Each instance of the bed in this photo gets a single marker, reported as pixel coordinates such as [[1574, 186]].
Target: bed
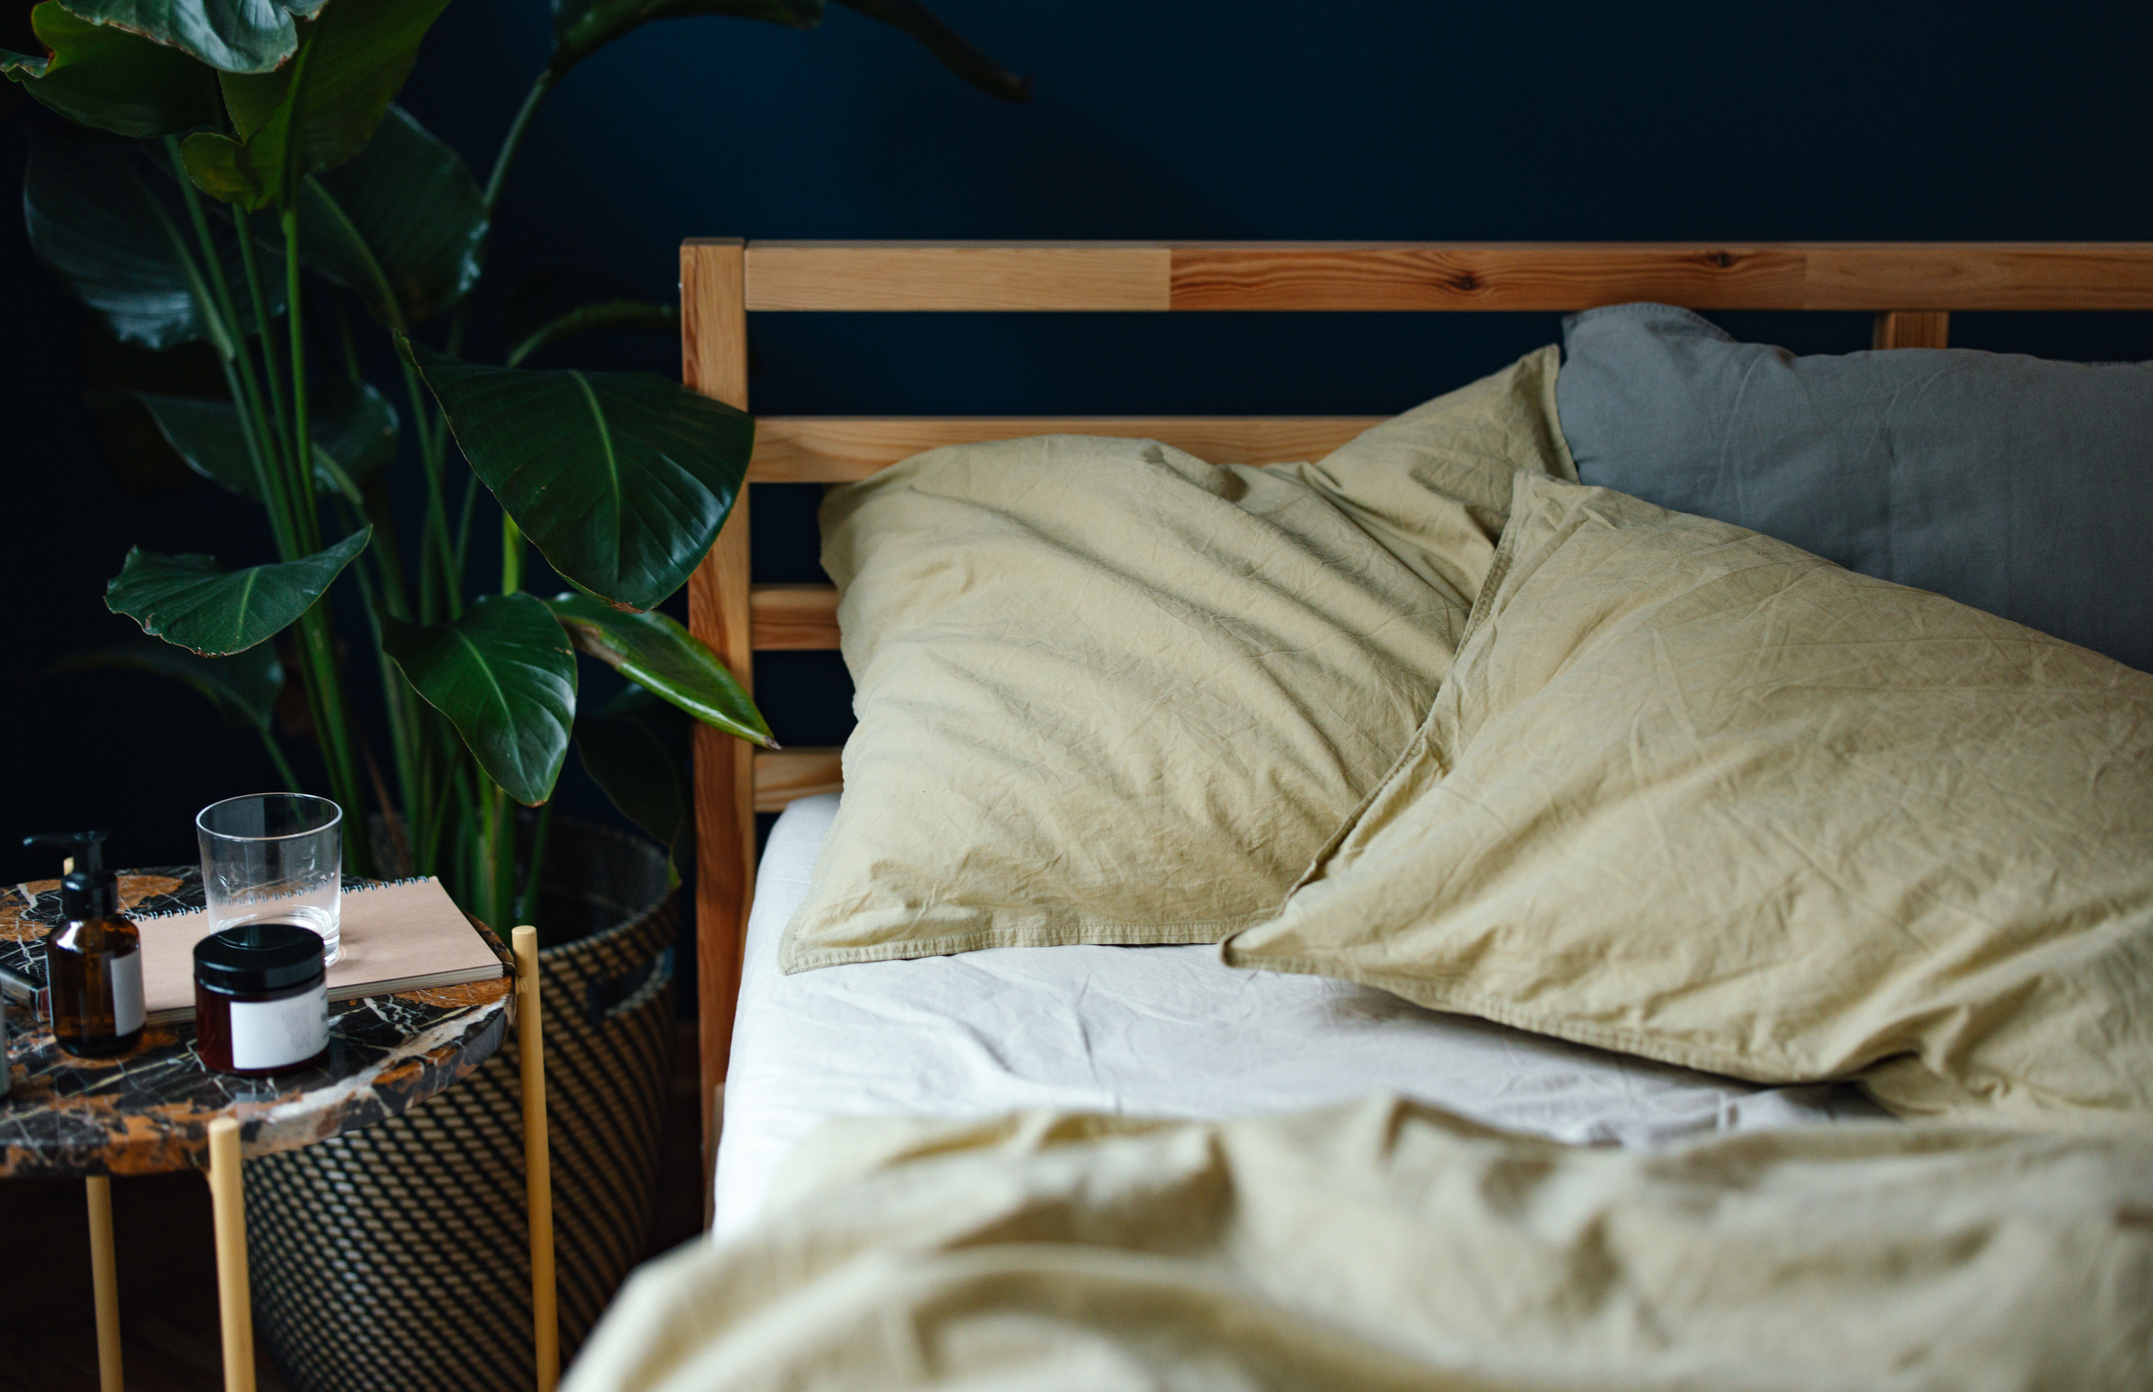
[[1152, 1031], [1133, 1032]]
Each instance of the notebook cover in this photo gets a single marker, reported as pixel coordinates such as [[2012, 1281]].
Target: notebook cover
[[396, 935]]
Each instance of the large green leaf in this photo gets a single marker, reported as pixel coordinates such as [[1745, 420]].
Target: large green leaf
[[100, 75], [637, 749], [316, 111], [620, 479], [658, 653], [229, 35], [188, 600], [402, 225], [582, 27], [505, 677], [243, 687], [353, 425], [110, 223], [947, 46]]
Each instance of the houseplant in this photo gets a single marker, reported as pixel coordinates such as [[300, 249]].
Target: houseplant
[[267, 176], [243, 179]]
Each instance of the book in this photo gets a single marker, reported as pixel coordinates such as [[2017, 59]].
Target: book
[[396, 935]]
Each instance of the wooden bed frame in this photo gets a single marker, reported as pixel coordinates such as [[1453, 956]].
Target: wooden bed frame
[[1911, 288]]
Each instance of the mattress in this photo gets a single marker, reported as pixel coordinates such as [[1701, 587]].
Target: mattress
[[1161, 1031]]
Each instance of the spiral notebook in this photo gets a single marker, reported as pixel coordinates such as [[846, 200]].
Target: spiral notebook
[[397, 935]]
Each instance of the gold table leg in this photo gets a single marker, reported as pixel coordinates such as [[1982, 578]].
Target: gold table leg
[[228, 1198], [105, 1281], [537, 1166]]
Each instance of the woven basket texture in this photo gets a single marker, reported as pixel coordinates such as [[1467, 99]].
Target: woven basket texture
[[397, 1257]]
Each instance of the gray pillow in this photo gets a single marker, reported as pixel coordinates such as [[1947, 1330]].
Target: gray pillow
[[2013, 484]]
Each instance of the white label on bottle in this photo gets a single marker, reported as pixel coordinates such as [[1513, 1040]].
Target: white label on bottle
[[126, 976], [271, 1034]]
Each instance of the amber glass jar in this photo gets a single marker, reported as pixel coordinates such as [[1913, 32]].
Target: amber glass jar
[[261, 999]]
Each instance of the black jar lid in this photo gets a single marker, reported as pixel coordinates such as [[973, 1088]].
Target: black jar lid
[[258, 958]]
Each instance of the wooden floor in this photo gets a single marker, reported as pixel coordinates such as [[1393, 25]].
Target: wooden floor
[[167, 1275]]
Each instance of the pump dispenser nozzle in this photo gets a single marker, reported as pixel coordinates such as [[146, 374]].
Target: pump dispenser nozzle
[[90, 891]]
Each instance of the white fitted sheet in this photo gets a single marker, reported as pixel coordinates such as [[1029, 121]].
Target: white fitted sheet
[[1163, 1031]]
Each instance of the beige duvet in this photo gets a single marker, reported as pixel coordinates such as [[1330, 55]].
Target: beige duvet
[[1386, 1245], [1687, 793]]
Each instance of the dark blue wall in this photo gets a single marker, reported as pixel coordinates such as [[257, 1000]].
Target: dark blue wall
[[1351, 119]]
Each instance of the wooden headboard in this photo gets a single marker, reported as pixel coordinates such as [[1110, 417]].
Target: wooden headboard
[[1911, 287]]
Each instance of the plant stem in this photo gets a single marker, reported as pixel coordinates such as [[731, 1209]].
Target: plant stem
[[527, 907], [511, 144], [238, 368], [272, 427], [463, 521], [392, 698], [502, 891], [512, 554], [541, 87], [332, 719], [302, 455], [436, 559]]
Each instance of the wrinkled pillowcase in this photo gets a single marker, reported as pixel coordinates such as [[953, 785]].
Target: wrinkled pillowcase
[[1693, 794], [1110, 693]]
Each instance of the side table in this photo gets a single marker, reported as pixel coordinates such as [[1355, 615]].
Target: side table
[[158, 1108]]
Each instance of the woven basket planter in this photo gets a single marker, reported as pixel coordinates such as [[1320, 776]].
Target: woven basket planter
[[396, 1257]]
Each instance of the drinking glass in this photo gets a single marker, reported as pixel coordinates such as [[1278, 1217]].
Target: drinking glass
[[273, 858]]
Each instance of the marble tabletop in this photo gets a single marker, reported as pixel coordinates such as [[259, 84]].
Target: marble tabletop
[[149, 1110]]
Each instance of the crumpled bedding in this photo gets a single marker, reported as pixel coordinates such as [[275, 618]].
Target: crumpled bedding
[[1388, 1245], [1148, 1031], [1693, 794], [1998, 979]]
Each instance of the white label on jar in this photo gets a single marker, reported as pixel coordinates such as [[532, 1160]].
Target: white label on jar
[[271, 1034], [126, 974]]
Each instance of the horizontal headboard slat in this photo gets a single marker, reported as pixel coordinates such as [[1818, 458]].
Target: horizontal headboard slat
[[784, 775], [841, 449], [793, 618], [1544, 276]]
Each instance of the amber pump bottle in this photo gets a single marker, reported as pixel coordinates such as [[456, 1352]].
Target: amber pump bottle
[[93, 960]]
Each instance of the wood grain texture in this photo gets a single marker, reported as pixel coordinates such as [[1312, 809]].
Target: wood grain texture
[[1545, 276], [1491, 276], [1979, 275], [1911, 328], [1874, 276], [958, 275], [714, 361], [842, 449], [793, 617], [235, 1301], [537, 1160], [782, 775]]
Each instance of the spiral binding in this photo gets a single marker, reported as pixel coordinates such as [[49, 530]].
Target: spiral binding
[[348, 887]]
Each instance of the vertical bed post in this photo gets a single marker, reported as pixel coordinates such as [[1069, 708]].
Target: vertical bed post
[[714, 361], [1911, 328]]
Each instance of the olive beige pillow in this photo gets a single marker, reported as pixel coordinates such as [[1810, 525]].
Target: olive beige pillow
[[1694, 794], [1110, 693]]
